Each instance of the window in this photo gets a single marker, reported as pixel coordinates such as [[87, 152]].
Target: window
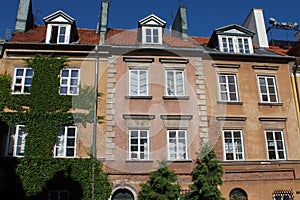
[[58, 195], [175, 82], [267, 89], [22, 80], [139, 144], [69, 82], [58, 35], [283, 195], [233, 44], [65, 146], [177, 145], [228, 87], [275, 145], [16, 141], [152, 35], [138, 82], [238, 193], [233, 145]]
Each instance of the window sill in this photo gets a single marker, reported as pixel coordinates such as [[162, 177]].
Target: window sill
[[176, 97], [139, 161], [270, 104], [230, 102], [138, 97], [179, 161]]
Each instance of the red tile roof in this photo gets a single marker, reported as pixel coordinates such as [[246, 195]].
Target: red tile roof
[[130, 38], [38, 35], [200, 40], [87, 36], [120, 37], [279, 50]]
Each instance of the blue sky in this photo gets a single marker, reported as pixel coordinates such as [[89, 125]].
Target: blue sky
[[203, 16]]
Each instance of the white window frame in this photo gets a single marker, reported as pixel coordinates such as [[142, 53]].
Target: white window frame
[[139, 138], [280, 196], [274, 143], [23, 78], [61, 146], [169, 82], [59, 27], [16, 141], [234, 148], [139, 84], [178, 154], [226, 86], [267, 88], [231, 44], [145, 35], [58, 192], [66, 81]]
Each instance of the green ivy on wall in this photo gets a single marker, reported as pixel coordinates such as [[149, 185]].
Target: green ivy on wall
[[42, 112]]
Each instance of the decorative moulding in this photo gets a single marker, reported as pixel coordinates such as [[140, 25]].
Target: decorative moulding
[[176, 117]]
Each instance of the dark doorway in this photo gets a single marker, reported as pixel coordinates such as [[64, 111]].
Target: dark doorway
[[122, 194]]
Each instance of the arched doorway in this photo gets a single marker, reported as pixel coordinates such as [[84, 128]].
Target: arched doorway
[[238, 194], [122, 194]]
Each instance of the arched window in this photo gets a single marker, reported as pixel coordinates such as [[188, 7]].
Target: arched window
[[238, 194], [122, 194]]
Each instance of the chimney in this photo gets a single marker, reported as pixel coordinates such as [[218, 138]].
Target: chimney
[[102, 28], [25, 20], [255, 22], [179, 27]]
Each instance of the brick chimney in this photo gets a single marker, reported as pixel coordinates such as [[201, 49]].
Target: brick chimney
[[25, 20], [255, 22], [180, 27], [102, 28]]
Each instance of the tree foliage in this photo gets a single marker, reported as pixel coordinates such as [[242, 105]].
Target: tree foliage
[[161, 185], [206, 177]]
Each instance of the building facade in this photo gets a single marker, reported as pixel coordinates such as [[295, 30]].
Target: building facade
[[165, 94]]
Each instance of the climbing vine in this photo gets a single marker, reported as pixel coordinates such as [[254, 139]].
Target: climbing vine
[[43, 112]]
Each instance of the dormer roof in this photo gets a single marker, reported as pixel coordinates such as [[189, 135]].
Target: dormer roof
[[229, 30], [235, 30], [152, 20], [59, 17]]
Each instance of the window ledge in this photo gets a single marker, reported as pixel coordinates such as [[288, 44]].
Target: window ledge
[[179, 161], [270, 104], [230, 102], [176, 97], [139, 161], [138, 97]]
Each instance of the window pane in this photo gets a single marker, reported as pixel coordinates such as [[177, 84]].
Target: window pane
[[65, 73], [20, 72], [70, 152]]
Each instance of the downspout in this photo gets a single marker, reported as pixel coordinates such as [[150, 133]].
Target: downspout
[[295, 68]]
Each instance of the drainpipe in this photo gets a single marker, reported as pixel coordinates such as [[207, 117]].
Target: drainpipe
[[296, 82]]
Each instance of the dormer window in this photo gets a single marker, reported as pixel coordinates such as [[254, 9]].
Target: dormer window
[[232, 39], [233, 44], [151, 30], [59, 35], [61, 28]]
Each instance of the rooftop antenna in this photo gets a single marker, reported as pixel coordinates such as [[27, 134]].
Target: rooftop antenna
[[37, 17], [287, 26], [8, 34]]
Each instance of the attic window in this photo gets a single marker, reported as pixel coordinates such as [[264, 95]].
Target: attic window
[[151, 30], [58, 35], [152, 35], [234, 44], [61, 28]]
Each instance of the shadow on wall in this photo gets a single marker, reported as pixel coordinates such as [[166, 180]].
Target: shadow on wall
[[10, 184], [61, 186]]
